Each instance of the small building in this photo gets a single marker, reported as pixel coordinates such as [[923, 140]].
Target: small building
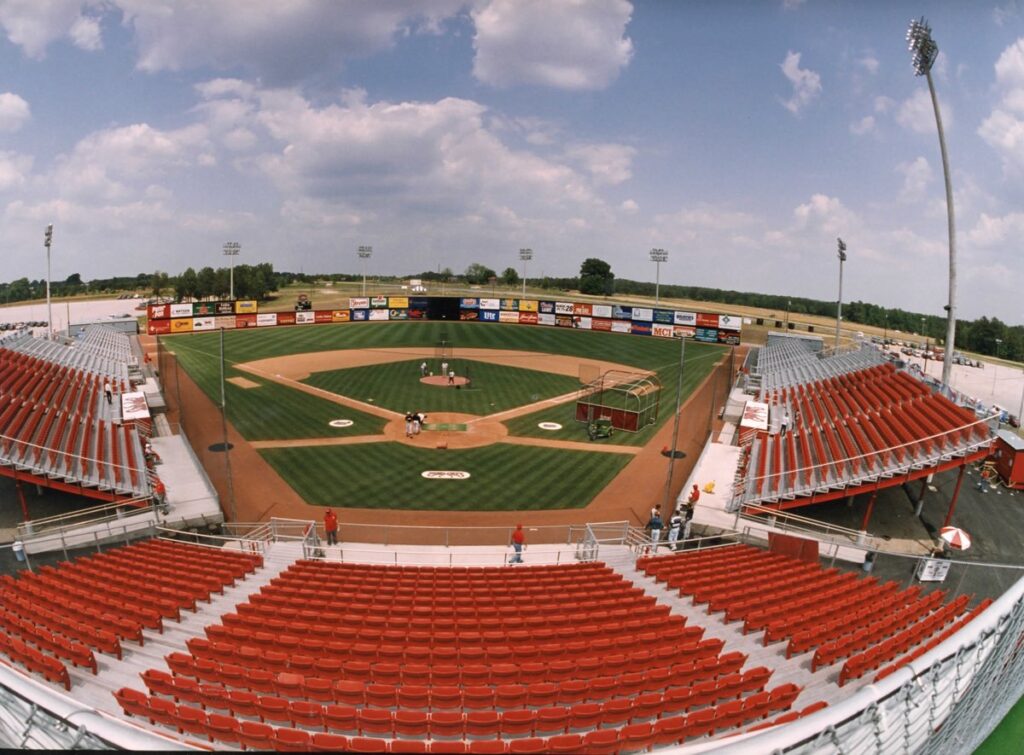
[[1009, 455]]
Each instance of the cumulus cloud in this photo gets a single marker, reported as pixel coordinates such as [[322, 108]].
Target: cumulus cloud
[[33, 24], [869, 63], [1003, 129], [14, 112], [563, 44], [806, 83], [824, 213], [864, 126], [85, 34], [994, 230], [609, 164], [916, 177], [916, 113], [14, 170]]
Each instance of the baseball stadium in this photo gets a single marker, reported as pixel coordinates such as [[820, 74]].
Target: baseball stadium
[[496, 581]]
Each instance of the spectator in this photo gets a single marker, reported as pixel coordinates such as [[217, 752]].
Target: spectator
[[694, 496], [655, 525], [160, 495], [108, 392], [687, 521], [518, 544], [331, 527], [675, 526]]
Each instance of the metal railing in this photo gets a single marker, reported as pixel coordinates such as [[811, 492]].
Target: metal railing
[[91, 515]]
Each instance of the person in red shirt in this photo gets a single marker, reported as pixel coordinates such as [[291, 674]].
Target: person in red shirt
[[518, 543], [331, 527], [694, 496]]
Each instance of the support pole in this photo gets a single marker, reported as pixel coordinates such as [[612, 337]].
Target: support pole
[[956, 495], [675, 426], [920, 497], [224, 426], [870, 508]]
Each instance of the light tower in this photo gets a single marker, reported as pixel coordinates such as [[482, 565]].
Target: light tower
[[925, 51], [364, 252], [525, 254], [231, 250], [47, 241], [657, 257], [839, 304]]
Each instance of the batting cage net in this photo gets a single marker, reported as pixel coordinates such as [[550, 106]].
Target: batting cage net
[[629, 400]]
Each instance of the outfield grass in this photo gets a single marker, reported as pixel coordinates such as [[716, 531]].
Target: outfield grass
[[397, 386], [388, 475], [271, 411]]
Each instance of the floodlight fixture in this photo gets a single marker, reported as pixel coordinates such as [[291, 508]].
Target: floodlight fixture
[[657, 257], [231, 250], [839, 303], [47, 242]]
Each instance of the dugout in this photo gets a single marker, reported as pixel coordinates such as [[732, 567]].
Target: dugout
[[631, 400]]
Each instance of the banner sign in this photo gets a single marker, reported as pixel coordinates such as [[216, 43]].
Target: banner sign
[[203, 308], [419, 302], [340, 315], [379, 302], [285, 318], [159, 327], [158, 311], [227, 322], [181, 310], [245, 321], [547, 307], [601, 323], [490, 304], [324, 315], [643, 314], [134, 406], [224, 307], [546, 318], [266, 319], [729, 322], [583, 309], [602, 310], [360, 302], [686, 318], [469, 314], [307, 317], [641, 328], [664, 316], [469, 303], [663, 331], [360, 314], [398, 302], [730, 337], [528, 318], [682, 331], [563, 321], [583, 323], [705, 320], [622, 313], [564, 308], [528, 305], [755, 415], [181, 325], [621, 326], [398, 314], [378, 314], [506, 316], [245, 307], [204, 323], [511, 305], [488, 315], [418, 313], [708, 335]]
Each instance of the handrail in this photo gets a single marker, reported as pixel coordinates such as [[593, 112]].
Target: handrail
[[35, 527], [812, 525]]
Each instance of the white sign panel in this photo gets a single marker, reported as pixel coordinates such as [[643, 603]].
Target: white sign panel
[[269, 318], [564, 308], [359, 302], [755, 415], [445, 474], [204, 323], [181, 310], [729, 322], [622, 326], [504, 316], [663, 331], [686, 318], [305, 318], [642, 314], [545, 319], [134, 406], [490, 304], [378, 314], [602, 310], [583, 323]]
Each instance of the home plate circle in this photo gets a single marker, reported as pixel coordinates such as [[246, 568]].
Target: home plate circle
[[341, 423], [445, 474], [549, 426]]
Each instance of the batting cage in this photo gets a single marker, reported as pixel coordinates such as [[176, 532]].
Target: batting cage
[[629, 400]]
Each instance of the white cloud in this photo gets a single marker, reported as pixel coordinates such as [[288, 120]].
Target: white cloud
[[86, 34], [609, 164], [630, 207], [994, 230], [14, 112], [563, 44], [806, 83], [33, 24], [825, 214], [884, 104], [864, 126], [14, 170], [1003, 129], [916, 177], [870, 64], [1002, 14], [792, 4], [916, 113]]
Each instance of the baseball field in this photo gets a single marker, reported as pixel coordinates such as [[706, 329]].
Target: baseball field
[[325, 407]]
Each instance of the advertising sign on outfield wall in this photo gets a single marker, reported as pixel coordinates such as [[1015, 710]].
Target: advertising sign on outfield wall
[[340, 315], [245, 321], [564, 307], [642, 314], [360, 314], [664, 316], [378, 314], [204, 323], [490, 304], [682, 331], [307, 317], [641, 329], [285, 318], [583, 323], [398, 314], [545, 318], [227, 322], [506, 316], [729, 322], [602, 310], [730, 337], [398, 302], [159, 327], [489, 315], [583, 309], [158, 311], [469, 303], [266, 319], [469, 314], [181, 310], [663, 331], [181, 325], [203, 308], [622, 313], [528, 318], [686, 318], [511, 305], [246, 307], [528, 305], [708, 335], [379, 302], [546, 307], [621, 326], [324, 315], [601, 323], [359, 302], [705, 320], [563, 321]]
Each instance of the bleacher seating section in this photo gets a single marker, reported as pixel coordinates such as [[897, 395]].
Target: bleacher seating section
[[56, 424], [851, 428]]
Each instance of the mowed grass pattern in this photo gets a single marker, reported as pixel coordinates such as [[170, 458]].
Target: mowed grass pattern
[[271, 411], [397, 386], [389, 475]]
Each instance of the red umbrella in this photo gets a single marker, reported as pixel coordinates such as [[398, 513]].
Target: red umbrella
[[956, 538]]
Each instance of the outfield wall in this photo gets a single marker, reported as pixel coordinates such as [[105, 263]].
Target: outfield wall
[[167, 319]]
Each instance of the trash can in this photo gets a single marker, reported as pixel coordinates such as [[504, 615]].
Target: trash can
[[19, 550]]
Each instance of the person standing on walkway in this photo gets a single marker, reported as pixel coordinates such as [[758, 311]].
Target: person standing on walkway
[[108, 392], [675, 526], [655, 525], [687, 520], [331, 527], [518, 545]]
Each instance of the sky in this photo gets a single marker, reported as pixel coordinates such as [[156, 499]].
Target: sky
[[741, 137]]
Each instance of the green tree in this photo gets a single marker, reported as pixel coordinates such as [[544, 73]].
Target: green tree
[[596, 277], [187, 284], [478, 274], [509, 276], [207, 283], [158, 282]]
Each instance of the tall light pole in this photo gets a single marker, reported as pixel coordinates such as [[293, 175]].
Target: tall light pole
[[231, 250], [839, 305], [364, 253], [925, 51], [47, 241], [657, 257], [525, 254], [995, 368]]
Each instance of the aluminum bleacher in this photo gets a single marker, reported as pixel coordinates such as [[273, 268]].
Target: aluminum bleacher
[[107, 343]]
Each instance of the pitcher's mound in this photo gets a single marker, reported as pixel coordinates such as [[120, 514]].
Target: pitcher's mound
[[443, 381]]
